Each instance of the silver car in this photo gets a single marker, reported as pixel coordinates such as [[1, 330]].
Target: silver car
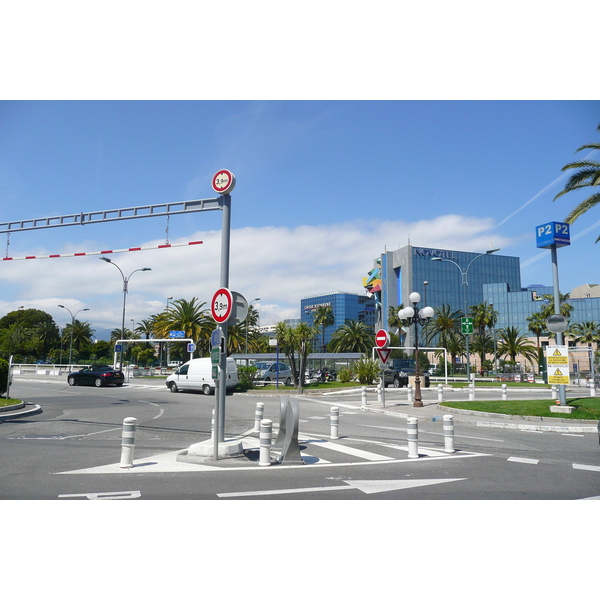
[[274, 371]]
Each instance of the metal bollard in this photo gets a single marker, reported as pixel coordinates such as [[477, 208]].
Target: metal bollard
[[266, 434], [258, 416], [412, 434], [448, 433], [471, 391], [410, 393], [364, 396], [503, 391], [554, 392], [334, 419], [440, 392], [128, 442]]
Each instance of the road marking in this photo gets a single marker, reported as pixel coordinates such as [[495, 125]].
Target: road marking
[[349, 450], [105, 495], [573, 434], [586, 467], [93, 433], [161, 411], [530, 461], [365, 486]]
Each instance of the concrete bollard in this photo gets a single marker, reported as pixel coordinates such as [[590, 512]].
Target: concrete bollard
[[448, 433], [266, 434], [258, 416], [334, 419], [128, 442], [440, 392], [364, 396], [503, 391], [412, 434], [410, 393], [554, 393], [471, 391]]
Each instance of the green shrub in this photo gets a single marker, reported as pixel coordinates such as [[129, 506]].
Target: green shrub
[[345, 374], [247, 377], [3, 376], [367, 370]]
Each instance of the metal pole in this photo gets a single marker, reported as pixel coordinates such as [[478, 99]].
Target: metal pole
[[562, 395], [224, 282]]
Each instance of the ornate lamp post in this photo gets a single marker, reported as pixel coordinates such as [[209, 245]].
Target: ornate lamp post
[[411, 315]]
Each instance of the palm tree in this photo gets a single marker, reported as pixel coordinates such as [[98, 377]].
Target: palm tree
[[455, 346], [443, 326], [484, 316], [537, 325], [188, 316], [353, 336], [548, 308], [82, 333], [513, 343], [587, 176], [145, 327], [482, 344], [588, 333], [323, 318], [47, 333]]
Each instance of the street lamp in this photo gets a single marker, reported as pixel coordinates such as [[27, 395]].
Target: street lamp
[[464, 284], [251, 303], [125, 284], [413, 316], [72, 326]]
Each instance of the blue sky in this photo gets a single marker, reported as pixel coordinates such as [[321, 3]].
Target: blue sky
[[322, 187]]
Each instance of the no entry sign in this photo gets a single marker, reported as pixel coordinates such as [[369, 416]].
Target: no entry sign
[[382, 339]]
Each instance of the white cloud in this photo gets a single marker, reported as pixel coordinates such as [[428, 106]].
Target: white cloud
[[277, 264]]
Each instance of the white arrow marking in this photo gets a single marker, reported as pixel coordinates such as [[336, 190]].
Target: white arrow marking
[[366, 486]]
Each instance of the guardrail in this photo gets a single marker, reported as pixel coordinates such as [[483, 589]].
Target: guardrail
[[31, 370]]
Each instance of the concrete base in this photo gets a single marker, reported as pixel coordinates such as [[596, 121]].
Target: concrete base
[[560, 408], [205, 450]]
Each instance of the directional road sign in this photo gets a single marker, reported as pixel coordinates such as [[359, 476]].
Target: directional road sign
[[176, 334], [466, 325], [222, 305]]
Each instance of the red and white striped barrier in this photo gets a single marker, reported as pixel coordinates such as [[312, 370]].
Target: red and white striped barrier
[[102, 251]]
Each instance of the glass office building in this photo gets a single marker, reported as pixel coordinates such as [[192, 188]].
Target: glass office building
[[345, 306]]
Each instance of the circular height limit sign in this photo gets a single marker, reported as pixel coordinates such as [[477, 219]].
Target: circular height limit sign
[[223, 181], [222, 304]]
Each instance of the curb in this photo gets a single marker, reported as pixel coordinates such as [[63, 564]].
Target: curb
[[19, 411]]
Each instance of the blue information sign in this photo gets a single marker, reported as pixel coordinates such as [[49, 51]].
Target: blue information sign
[[176, 334], [552, 234]]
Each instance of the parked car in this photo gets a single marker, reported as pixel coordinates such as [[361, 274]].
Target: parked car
[[405, 368], [98, 375], [397, 379], [273, 371], [196, 374]]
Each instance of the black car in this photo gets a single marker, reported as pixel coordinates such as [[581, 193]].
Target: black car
[[98, 376], [391, 377]]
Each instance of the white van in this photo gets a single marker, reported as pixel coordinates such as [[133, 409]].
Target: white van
[[196, 374]]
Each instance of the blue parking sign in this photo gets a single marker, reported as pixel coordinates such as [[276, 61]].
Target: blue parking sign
[[553, 234]]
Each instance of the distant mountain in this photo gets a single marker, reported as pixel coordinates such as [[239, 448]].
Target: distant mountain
[[102, 334]]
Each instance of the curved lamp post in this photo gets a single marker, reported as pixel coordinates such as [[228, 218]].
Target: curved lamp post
[[72, 326], [413, 316], [125, 285], [464, 284]]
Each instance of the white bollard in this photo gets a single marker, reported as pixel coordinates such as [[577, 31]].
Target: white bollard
[[128, 442], [334, 418], [554, 393], [471, 391], [440, 392], [410, 393], [266, 434], [448, 433], [258, 416], [412, 434], [503, 391], [592, 390], [379, 392], [364, 396]]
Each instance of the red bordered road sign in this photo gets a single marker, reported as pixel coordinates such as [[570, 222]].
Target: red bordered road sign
[[223, 181], [382, 339], [384, 354], [222, 305]]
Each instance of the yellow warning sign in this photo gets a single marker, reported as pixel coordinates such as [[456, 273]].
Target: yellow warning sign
[[558, 375], [557, 355]]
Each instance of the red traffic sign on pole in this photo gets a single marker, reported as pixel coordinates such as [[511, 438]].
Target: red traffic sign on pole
[[223, 181], [382, 339], [384, 354], [222, 305]]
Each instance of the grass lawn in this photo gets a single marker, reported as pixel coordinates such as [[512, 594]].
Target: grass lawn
[[9, 402], [586, 408]]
